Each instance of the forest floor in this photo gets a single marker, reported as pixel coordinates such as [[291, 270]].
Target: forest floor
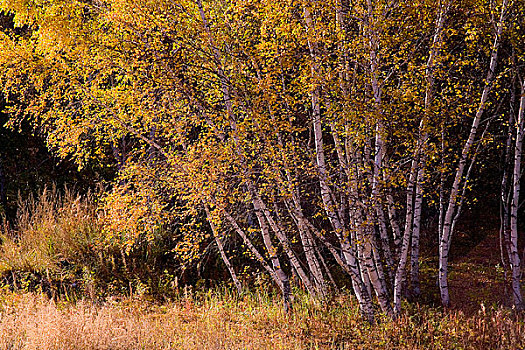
[[476, 276]]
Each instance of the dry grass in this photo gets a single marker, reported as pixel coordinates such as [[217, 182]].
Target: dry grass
[[49, 230], [219, 321], [59, 243], [31, 322]]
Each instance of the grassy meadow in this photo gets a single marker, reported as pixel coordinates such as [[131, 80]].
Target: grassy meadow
[[65, 286]]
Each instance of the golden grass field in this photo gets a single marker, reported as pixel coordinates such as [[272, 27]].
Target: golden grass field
[[219, 321]]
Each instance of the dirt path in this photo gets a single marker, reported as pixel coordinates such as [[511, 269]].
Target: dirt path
[[478, 278]]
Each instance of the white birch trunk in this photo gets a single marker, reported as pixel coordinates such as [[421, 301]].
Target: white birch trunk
[[416, 229], [252, 248], [307, 240], [352, 269], [515, 264], [272, 251], [446, 234], [283, 278], [506, 191], [260, 207], [405, 241], [396, 230], [309, 247], [278, 275], [368, 251], [422, 147], [326, 194]]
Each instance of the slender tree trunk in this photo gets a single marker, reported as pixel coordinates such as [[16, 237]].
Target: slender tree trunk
[[278, 230], [515, 264], [385, 243], [421, 149], [405, 242], [368, 250], [352, 269], [220, 246], [329, 205], [446, 234], [326, 193], [379, 142], [252, 248], [422, 146], [280, 274], [441, 182], [308, 246], [275, 271], [506, 191], [416, 229], [327, 270], [307, 241], [396, 230]]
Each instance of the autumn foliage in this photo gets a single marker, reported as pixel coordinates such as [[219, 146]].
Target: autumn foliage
[[318, 138]]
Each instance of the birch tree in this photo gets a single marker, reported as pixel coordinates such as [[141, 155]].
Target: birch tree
[[453, 207]]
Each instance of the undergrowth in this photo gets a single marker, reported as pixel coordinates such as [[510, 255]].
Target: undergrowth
[[58, 245]]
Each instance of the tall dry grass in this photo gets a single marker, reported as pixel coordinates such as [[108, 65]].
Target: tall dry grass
[[32, 322], [256, 321], [59, 243], [54, 229]]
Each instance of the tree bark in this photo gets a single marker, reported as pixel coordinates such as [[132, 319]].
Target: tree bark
[[422, 146], [515, 263]]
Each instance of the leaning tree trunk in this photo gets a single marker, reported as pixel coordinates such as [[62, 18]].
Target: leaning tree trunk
[[446, 234], [322, 172], [275, 271], [220, 246], [284, 281]]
